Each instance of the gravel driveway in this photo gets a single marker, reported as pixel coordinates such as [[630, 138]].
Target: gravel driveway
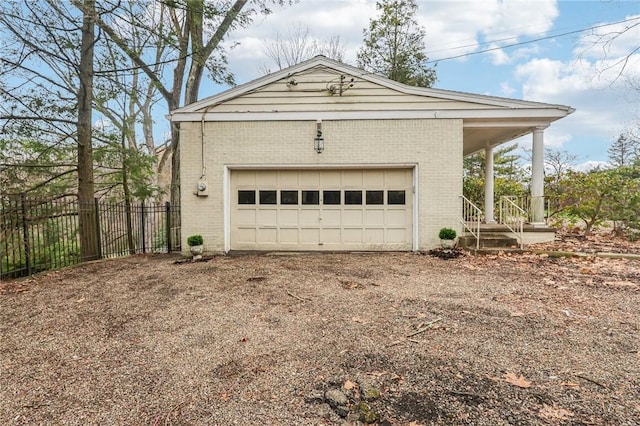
[[389, 339]]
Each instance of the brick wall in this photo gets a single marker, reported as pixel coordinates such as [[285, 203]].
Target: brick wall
[[434, 145]]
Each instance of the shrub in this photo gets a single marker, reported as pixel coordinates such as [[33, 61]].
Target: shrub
[[195, 240], [447, 234]]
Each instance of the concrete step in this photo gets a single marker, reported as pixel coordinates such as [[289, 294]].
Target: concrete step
[[488, 241]]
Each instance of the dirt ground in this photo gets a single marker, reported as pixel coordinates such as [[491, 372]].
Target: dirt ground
[[390, 339]]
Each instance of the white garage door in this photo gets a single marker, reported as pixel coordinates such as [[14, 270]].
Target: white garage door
[[358, 209]]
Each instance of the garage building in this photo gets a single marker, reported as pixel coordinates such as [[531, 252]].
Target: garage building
[[323, 156]]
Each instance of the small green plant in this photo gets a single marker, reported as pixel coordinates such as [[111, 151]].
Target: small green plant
[[195, 240], [447, 234]]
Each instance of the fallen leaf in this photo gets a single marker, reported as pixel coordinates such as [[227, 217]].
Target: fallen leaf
[[552, 413], [349, 385], [521, 382]]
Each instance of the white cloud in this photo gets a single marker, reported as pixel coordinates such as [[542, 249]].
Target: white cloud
[[603, 102], [452, 27], [499, 56], [590, 165], [553, 138], [613, 41], [506, 89]]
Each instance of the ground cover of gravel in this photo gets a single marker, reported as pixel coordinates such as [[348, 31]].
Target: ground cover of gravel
[[322, 339]]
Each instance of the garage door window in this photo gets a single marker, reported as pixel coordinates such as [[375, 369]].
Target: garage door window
[[310, 197], [289, 197], [331, 198], [268, 197], [246, 197], [396, 197], [353, 198], [375, 197]]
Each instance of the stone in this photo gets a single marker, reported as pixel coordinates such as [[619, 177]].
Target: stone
[[314, 397], [335, 398]]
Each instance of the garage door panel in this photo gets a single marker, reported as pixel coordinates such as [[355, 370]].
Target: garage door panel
[[351, 235], [246, 235], [267, 179], [246, 217], [288, 235], [352, 179], [288, 178], [332, 236], [396, 218], [397, 179], [267, 235], [396, 236], [310, 235], [374, 217], [331, 179], [374, 180], [267, 217], [373, 236], [331, 217], [352, 217], [288, 217], [310, 179], [308, 217], [315, 214]]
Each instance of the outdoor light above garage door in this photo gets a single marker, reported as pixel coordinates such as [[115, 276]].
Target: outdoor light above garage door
[[318, 142]]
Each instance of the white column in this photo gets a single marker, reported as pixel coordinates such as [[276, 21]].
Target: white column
[[537, 177], [488, 185]]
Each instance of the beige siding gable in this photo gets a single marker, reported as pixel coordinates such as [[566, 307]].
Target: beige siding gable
[[325, 89]]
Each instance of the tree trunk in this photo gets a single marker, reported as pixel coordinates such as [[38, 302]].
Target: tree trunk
[[86, 213]]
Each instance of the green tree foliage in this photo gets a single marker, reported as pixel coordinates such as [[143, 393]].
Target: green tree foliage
[[509, 176], [604, 195], [394, 45]]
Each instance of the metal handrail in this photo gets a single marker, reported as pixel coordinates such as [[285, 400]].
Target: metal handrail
[[471, 218], [513, 217]]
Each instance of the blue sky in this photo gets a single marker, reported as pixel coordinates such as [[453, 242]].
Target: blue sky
[[560, 69]]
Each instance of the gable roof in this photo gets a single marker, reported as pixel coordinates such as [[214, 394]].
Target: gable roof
[[320, 62], [315, 90]]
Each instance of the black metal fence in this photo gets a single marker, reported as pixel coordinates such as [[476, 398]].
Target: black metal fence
[[40, 235]]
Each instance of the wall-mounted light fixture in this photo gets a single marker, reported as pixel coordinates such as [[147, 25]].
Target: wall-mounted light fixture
[[318, 142]]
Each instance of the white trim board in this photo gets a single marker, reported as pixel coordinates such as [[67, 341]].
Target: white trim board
[[539, 116]]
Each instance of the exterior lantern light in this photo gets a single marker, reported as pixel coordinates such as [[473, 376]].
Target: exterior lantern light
[[318, 142]]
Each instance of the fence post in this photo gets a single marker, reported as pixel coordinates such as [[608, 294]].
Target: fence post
[[144, 238], [98, 233], [25, 233], [167, 209]]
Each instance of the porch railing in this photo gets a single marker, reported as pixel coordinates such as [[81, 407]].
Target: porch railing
[[513, 217], [525, 202], [471, 218]]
